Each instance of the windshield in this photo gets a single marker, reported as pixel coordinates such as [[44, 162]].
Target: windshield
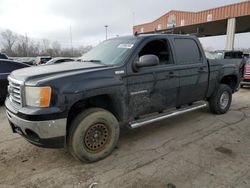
[[110, 52]]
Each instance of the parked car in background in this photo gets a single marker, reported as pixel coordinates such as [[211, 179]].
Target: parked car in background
[[211, 55], [226, 54], [246, 56], [58, 60], [246, 77], [6, 67], [231, 57], [3, 56], [42, 60], [78, 59], [26, 60]]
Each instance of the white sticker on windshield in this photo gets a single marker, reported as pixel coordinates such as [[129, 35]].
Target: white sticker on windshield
[[129, 46]]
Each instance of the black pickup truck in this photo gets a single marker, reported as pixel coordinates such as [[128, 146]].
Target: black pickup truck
[[133, 80]]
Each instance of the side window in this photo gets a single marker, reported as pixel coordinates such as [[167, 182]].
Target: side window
[[59, 61], [160, 48], [187, 51]]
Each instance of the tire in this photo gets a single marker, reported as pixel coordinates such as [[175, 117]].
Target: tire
[[241, 86], [93, 135], [220, 102]]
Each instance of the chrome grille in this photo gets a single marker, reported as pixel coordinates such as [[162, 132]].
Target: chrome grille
[[14, 90]]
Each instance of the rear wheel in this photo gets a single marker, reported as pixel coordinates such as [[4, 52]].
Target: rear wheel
[[241, 86], [220, 102], [93, 135]]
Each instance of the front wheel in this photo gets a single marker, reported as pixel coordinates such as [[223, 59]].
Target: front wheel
[[220, 102], [93, 135]]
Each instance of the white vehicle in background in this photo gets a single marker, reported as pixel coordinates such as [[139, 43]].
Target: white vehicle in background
[[211, 55], [42, 60], [58, 60]]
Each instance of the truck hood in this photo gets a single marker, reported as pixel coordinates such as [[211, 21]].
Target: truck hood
[[37, 72]]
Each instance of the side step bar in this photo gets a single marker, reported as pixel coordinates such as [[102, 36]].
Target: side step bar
[[158, 117]]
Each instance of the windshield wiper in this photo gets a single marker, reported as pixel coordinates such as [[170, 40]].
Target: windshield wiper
[[92, 61]]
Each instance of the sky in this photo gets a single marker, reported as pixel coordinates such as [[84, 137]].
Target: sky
[[53, 19]]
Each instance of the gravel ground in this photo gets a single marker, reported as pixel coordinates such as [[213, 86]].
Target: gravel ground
[[197, 149]]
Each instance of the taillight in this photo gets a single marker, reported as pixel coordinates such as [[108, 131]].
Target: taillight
[[247, 71]]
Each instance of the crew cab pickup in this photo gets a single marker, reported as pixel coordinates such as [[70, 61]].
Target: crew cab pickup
[[132, 80]]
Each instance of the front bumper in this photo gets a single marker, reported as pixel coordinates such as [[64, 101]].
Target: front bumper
[[49, 133]]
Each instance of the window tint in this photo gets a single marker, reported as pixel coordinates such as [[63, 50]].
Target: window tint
[[159, 48], [187, 51]]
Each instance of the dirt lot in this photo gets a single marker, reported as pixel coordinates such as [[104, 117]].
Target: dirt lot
[[193, 150]]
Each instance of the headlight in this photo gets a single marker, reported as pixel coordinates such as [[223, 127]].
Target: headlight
[[38, 96]]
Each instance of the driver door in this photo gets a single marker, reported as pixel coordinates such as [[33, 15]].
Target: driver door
[[153, 88]]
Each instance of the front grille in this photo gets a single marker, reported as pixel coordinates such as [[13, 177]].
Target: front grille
[[15, 93]]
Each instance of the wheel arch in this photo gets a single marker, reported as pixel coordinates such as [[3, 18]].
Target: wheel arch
[[231, 81], [104, 101]]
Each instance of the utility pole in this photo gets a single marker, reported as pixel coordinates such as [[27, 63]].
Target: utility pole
[[133, 19], [72, 51], [27, 45], [106, 31]]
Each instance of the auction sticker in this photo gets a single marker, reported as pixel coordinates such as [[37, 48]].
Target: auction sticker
[[128, 46]]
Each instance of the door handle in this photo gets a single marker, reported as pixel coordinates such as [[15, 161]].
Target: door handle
[[202, 70], [171, 75]]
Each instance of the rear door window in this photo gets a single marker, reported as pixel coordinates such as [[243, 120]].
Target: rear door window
[[187, 51]]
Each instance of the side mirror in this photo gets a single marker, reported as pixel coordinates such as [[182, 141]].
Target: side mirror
[[147, 61]]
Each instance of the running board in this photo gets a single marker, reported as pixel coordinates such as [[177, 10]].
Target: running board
[[158, 117]]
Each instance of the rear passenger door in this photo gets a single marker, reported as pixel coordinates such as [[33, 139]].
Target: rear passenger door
[[193, 70]]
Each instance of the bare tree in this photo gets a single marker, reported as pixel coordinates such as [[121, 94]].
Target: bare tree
[[34, 48], [8, 40], [45, 46], [22, 46], [56, 48]]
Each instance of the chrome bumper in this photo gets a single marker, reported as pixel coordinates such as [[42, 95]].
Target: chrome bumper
[[245, 83], [44, 129]]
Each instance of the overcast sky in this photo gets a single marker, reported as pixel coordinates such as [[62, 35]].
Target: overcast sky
[[52, 19]]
